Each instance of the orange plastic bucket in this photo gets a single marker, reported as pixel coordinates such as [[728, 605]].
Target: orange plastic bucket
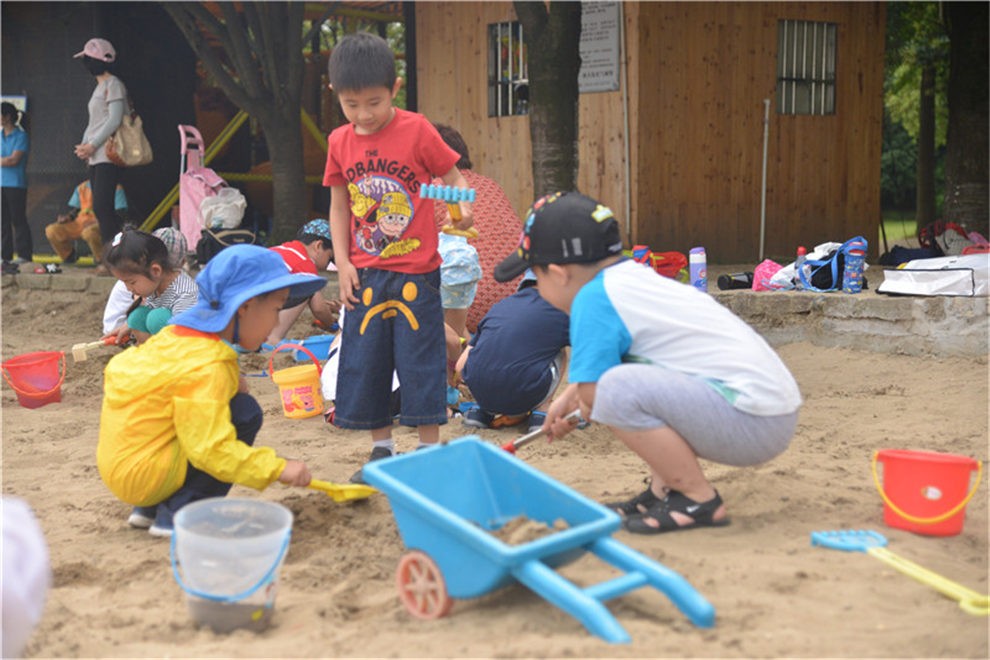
[[925, 492], [36, 377], [300, 387]]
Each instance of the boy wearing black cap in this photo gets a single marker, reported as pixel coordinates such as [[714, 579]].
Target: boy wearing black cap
[[177, 423], [673, 373]]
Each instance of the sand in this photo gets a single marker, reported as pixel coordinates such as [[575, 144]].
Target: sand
[[114, 595]]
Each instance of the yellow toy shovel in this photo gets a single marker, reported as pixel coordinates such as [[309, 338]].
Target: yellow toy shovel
[[343, 492], [872, 543]]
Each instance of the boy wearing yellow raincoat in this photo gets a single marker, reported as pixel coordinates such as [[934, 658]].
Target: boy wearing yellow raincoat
[[177, 423]]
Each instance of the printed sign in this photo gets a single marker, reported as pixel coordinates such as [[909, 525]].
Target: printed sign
[[599, 47]]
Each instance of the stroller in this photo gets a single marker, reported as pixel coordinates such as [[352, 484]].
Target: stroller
[[210, 211]]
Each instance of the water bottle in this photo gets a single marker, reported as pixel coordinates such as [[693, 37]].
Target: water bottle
[[802, 254], [852, 270], [735, 281], [698, 268]]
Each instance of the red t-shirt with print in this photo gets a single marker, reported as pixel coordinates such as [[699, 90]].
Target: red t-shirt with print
[[392, 228]]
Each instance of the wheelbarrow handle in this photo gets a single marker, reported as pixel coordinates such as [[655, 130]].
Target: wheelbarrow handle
[[524, 440]]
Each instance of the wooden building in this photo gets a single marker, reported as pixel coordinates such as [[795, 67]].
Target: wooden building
[[678, 149]]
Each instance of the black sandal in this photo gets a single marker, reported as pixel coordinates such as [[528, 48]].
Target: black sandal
[[700, 512], [630, 507]]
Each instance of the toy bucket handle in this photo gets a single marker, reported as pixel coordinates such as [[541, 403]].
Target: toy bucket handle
[[934, 519], [61, 379], [298, 347], [265, 579]]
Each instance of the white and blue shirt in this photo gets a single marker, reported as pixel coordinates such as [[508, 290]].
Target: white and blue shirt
[[628, 313]]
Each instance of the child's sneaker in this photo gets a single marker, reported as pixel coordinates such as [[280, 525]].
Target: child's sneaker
[[142, 517], [377, 454], [535, 421], [477, 418], [162, 527]]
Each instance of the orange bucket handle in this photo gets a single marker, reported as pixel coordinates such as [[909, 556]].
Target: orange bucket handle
[[298, 347], [934, 519], [61, 379]]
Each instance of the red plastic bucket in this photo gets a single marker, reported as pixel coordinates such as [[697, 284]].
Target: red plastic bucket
[[925, 492], [36, 377]]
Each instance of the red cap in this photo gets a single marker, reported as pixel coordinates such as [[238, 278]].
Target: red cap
[[801, 251]]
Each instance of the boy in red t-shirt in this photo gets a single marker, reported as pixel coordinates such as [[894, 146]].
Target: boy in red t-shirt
[[386, 248], [310, 254]]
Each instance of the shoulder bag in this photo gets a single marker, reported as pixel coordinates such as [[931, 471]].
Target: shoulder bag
[[128, 146]]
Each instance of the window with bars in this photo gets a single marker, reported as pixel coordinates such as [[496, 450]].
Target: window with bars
[[508, 78], [805, 68]]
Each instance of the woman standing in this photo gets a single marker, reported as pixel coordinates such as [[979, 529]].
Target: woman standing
[[13, 181], [106, 110]]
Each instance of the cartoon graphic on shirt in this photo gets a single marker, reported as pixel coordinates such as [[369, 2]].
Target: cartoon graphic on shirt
[[382, 210], [390, 308]]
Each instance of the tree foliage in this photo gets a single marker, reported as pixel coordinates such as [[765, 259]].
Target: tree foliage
[[916, 38]]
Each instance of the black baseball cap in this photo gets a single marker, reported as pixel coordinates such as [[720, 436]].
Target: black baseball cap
[[563, 228]]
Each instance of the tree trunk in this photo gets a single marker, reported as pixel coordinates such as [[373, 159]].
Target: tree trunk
[[966, 169], [552, 33], [926, 149], [259, 66], [292, 203]]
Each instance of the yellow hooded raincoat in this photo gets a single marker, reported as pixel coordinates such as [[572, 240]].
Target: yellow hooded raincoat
[[166, 403]]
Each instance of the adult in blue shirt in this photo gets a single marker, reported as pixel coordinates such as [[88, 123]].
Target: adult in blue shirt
[[13, 178]]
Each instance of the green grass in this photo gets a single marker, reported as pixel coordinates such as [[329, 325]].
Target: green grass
[[900, 229]]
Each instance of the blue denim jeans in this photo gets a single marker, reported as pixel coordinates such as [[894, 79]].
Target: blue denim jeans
[[397, 324], [246, 415]]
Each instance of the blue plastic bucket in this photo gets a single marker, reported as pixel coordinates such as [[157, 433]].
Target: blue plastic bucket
[[226, 555], [318, 345]]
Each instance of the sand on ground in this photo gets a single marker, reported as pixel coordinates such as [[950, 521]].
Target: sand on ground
[[114, 595]]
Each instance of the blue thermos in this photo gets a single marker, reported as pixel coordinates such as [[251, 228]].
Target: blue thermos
[[698, 268]]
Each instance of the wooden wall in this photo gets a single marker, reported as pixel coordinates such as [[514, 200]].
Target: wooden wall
[[697, 76], [452, 59], [700, 133]]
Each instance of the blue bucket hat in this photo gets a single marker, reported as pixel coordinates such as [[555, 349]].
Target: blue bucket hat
[[318, 227], [236, 275]]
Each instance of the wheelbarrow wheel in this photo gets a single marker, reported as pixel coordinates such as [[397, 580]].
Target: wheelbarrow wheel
[[421, 586]]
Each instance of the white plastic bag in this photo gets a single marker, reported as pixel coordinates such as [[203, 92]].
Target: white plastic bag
[[223, 210]]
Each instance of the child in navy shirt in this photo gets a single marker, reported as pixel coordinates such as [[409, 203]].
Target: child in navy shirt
[[514, 361]]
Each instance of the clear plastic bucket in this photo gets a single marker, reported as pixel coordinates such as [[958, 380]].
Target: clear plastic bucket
[[226, 555]]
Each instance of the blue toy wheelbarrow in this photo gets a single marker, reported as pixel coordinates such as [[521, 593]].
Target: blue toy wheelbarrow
[[448, 500]]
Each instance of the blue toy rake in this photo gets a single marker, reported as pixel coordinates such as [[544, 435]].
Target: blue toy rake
[[873, 543], [451, 195]]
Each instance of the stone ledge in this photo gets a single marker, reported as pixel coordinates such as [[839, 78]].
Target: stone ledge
[[942, 326]]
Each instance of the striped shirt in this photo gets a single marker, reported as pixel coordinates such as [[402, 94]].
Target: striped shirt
[[180, 295]]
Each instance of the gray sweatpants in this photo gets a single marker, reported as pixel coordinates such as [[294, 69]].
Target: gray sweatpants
[[639, 397]]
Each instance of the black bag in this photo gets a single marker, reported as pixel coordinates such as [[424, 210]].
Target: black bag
[[212, 242]]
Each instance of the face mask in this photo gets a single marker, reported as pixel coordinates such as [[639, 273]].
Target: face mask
[[95, 67]]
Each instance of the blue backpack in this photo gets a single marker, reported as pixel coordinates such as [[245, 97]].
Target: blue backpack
[[824, 275]]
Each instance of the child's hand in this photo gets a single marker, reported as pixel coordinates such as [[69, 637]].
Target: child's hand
[[349, 283], [556, 426], [467, 216], [295, 473]]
